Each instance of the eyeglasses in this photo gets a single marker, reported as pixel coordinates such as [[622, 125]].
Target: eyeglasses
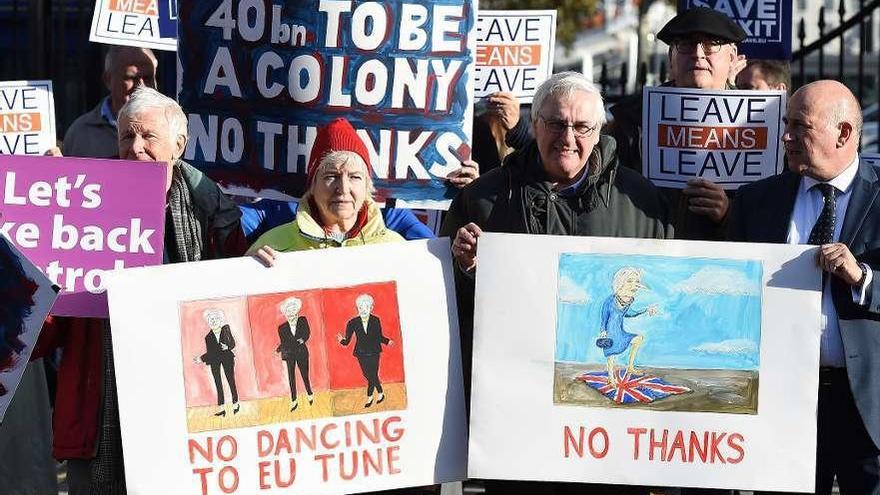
[[688, 47], [580, 129]]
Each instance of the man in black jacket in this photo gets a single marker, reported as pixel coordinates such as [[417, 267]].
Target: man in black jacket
[[703, 55], [368, 347], [566, 182]]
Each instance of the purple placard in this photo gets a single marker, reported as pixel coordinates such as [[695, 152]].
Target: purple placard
[[75, 218]]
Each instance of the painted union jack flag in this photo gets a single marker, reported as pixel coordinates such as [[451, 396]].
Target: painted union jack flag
[[631, 389]]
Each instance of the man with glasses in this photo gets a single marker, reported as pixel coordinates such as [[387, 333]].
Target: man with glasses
[[567, 181], [702, 54]]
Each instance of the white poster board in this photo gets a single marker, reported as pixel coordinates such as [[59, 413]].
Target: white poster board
[[27, 117], [709, 325], [129, 23], [514, 51], [730, 137], [26, 296], [330, 442]]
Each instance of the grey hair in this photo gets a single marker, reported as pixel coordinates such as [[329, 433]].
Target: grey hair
[[622, 275], [335, 158], [845, 110], [288, 305], [116, 52], [564, 84], [213, 312], [364, 298], [144, 98]]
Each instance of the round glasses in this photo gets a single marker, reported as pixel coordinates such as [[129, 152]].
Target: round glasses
[[688, 47], [580, 129]]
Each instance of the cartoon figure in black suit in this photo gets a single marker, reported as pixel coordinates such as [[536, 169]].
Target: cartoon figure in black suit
[[369, 345], [293, 335], [218, 354]]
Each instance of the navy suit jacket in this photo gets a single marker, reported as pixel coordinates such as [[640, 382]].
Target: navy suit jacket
[[762, 211]]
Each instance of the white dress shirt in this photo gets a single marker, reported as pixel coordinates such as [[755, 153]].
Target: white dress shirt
[[807, 207]]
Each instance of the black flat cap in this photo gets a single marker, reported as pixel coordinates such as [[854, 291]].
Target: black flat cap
[[701, 20]]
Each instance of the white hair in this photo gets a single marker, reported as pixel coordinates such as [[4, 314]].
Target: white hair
[[290, 305], [564, 85], [116, 53], [333, 159], [144, 99], [364, 299], [624, 274], [214, 312]]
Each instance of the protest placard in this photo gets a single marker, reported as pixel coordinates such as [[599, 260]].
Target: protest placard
[[27, 117], [514, 51], [729, 137], [168, 18], [75, 218], [767, 24], [258, 79], [306, 402], [130, 23], [25, 296], [714, 377]]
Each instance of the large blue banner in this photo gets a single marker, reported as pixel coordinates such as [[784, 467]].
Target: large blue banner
[[767, 24], [259, 76]]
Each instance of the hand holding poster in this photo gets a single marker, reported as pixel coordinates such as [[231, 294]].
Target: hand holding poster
[[25, 296], [514, 51], [767, 24], [258, 78], [76, 218], [334, 371], [729, 137], [27, 117], [130, 23], [646, 362]]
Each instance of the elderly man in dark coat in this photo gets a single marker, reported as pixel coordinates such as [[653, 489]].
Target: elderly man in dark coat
[[703, 55]]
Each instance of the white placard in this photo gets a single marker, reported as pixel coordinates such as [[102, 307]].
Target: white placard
[[514, 51], [129, 23], [334, 444], [729, 137], [27, 117], [728, 368], [26, 296]]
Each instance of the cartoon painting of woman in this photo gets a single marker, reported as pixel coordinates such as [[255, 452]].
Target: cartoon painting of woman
[[613, 338]]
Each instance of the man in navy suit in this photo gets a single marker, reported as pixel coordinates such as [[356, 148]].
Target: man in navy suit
[[831, 199], [368, 347]]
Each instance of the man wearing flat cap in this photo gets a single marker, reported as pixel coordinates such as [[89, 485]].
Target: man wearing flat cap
[[703, 55]]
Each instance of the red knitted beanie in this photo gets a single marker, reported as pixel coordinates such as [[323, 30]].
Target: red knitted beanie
[[338, 135]]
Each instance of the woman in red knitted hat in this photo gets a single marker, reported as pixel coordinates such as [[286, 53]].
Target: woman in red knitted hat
[[338, 208]]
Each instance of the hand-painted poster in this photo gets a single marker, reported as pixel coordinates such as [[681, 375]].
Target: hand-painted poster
[[27, 117], [335, 371], [258, 78], [129, 23], [514, 51], [657, 362], [767, 24], [729, 137], [76, 218], [25, 298]]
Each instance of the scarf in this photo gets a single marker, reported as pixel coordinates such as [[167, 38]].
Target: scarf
[[187, 230]]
